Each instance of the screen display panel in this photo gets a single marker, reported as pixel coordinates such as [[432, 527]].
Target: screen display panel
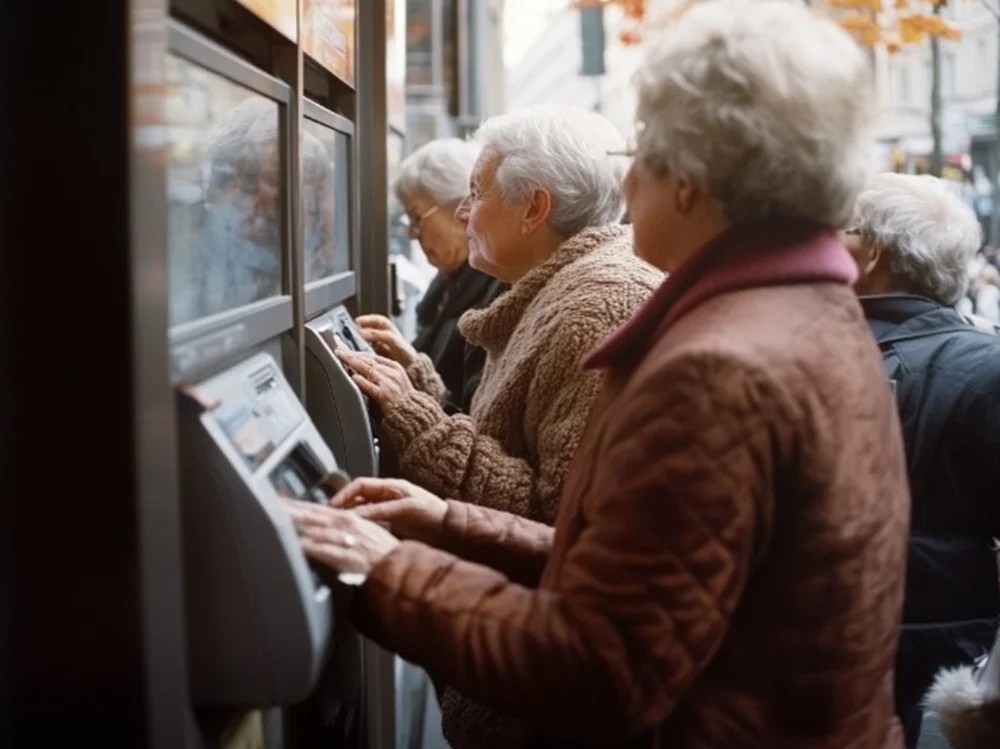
[[224, 193], [326, 200]]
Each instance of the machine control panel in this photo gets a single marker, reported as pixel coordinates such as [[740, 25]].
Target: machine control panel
[[259, 619]]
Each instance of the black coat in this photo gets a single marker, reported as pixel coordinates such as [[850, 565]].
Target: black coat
[[447, 298], [947, 380]]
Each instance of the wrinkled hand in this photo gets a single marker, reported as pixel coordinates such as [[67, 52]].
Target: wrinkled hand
[[343, 541], [413, 512], [386, 339], [380, 378]]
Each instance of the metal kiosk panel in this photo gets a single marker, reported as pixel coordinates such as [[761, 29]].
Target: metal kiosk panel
[[259, 620], [337, 406]]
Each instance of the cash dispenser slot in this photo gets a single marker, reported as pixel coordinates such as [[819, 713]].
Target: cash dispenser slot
[[299, 475], [259, 619]]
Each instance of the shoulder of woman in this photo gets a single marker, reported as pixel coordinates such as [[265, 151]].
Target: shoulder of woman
[[608, 285]]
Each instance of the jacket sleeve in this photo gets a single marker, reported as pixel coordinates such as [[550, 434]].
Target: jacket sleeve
[[642, 599], [425, 378], [449, 456], [512, 545]]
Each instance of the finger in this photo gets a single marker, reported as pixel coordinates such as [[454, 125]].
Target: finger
[[380, 338], [362, 490], [388, 511], [345, 529], [303, 511], [368, 387], [377, 322], [384, 362], [336, 557]]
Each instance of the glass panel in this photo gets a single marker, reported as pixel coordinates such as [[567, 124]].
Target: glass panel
[[279, 13], [395, 65], [419, 46], [223, 192], [399, 235], [326, 200], [328, 35]]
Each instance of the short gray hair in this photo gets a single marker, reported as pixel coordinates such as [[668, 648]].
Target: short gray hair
[[768, 108], [442, 167], [566, 151], [931, 235]]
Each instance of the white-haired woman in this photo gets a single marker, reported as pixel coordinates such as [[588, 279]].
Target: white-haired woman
[[433, 180], [727, 563], [913, 239], [542, 211]]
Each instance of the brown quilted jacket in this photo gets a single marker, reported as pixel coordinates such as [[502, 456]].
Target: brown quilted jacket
[[727, 564]]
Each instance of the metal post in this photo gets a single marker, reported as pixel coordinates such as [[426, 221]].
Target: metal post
[[294, 229], [170, 722], [373, 129]]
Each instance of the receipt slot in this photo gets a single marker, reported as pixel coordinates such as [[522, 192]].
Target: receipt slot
[[259, 619], [337, 406]]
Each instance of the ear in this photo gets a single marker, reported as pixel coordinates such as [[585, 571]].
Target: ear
[[686, 196], [875, 257], [537, 211]]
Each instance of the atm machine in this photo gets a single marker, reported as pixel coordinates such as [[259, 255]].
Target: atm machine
[[337, 406], [259, 619], [266, 635]]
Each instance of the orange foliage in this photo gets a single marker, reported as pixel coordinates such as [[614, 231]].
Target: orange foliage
[[889, 24]]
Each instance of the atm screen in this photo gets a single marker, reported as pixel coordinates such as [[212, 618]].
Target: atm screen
[[297, 476], [348, 336]]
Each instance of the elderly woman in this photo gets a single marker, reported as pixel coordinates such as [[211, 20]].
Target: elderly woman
[[542, 213], [727, 563], [545, 197], [914, 239], [432, 182]]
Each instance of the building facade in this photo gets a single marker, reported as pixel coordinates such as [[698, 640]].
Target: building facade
[[550, 73], [455, 75]]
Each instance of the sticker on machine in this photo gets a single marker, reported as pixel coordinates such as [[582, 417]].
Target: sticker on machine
[[247, 435]]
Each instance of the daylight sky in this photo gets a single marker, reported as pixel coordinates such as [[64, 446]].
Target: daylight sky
[[523, 21]]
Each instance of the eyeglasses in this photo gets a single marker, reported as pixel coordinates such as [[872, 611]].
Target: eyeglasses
[[414, 223]]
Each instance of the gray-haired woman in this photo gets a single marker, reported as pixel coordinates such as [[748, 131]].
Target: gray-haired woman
[[433, 181]]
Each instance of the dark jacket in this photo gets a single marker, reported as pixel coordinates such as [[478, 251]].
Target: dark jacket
[[726, 568], [448, 297], [947, 382]]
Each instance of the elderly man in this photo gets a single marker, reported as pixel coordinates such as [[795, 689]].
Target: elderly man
[[913, 240]]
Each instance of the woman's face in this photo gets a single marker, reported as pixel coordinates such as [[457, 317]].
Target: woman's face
[[441, 235], [655, 222], [671, 218], [498, 231]]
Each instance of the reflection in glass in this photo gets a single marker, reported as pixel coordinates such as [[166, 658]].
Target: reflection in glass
[[326, 201], [224, 194]]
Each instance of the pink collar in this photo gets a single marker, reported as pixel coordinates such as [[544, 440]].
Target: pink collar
[[750, 257]]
